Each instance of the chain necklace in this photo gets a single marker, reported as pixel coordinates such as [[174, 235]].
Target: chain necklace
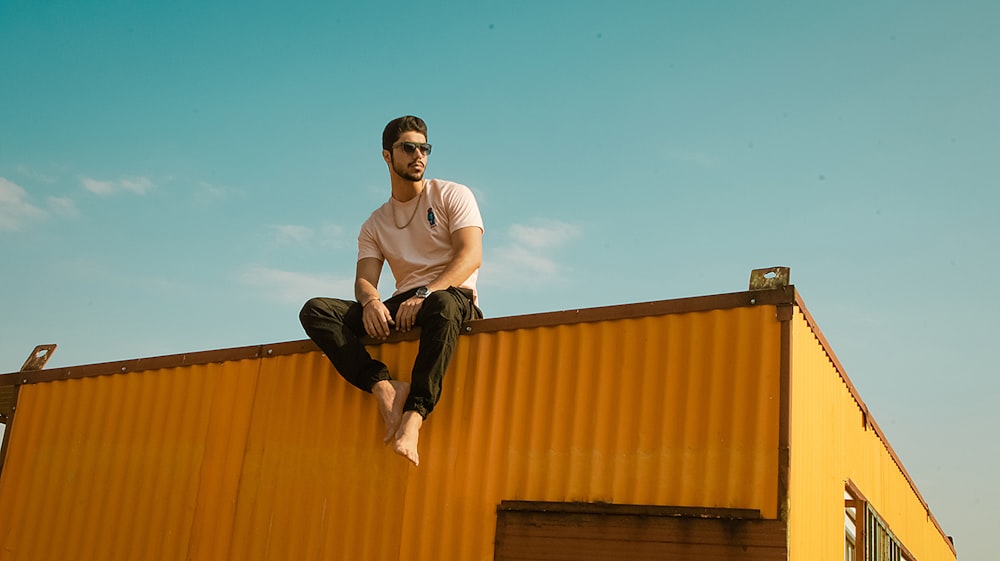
[[416, 207]]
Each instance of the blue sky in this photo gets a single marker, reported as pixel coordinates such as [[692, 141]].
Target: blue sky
[[180, 176]]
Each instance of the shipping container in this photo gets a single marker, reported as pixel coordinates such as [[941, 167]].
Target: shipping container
[[711, 427]]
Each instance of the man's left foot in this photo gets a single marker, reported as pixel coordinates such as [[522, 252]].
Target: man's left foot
[[407, 436]]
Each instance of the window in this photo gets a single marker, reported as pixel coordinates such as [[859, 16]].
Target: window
[[867, 536], [850, 528]]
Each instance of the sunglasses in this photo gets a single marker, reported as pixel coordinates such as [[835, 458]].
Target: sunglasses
[[411, 147]]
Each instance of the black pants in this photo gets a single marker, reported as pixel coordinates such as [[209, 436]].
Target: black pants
[[335, 326]]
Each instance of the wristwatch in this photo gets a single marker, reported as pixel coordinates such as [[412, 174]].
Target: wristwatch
[[423, 292]]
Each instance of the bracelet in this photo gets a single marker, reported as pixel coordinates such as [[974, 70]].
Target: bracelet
[[365, 305]]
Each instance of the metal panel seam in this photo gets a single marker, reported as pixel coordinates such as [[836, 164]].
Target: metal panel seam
[[243, 460]]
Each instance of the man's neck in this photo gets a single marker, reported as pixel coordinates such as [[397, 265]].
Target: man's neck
[[404, 190]]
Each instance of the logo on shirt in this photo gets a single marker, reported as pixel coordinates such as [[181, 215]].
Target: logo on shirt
[[430, 218]]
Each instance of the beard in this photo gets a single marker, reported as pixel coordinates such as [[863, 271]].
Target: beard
[[404, 172]]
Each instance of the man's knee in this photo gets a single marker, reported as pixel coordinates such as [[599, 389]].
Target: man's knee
[[311, 309], [308, 311], [444, 305], [323, 309]]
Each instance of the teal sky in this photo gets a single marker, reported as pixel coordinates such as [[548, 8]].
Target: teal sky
[[177, 176]]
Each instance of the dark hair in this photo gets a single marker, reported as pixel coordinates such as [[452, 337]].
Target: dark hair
[[398, 126]]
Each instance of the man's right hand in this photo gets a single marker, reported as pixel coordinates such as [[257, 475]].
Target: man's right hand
[[377, 319]]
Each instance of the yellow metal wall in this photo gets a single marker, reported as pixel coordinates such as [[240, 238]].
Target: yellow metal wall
[[831, 443], [138, 466], [279, 458]]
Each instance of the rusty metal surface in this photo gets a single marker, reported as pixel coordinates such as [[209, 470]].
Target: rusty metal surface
[[625, 533], [7, 395], [38, 358], [770, 278]]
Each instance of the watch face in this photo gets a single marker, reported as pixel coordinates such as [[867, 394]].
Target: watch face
[[423, 292]]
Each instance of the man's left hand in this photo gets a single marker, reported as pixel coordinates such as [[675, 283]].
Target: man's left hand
[[406, 316]]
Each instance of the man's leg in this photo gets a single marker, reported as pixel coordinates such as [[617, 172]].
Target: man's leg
[[333, 325], [440, 319]]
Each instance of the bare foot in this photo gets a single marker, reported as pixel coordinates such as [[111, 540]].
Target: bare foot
[[390, 396], [407, 435]]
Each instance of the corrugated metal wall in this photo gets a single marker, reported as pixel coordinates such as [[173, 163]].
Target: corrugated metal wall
[[143, 465], [279, 458], [833, 440]]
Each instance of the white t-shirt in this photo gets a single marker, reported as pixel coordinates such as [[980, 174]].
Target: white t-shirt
[[419, 251]]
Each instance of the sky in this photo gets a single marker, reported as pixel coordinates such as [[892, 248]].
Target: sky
[[181, 176]]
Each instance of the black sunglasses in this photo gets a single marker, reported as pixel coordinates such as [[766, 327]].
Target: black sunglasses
[[411, 147]]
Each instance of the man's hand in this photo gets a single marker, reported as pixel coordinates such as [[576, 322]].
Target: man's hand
[[406, 316], [377, 319]]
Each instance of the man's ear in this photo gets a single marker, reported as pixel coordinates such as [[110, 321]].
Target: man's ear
[[387, 156]]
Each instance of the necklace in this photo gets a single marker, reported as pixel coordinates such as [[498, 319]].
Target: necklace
[[416, 207]]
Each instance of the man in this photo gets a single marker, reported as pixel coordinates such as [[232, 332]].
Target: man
[[430, 231]]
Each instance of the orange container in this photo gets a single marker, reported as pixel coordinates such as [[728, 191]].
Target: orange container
[[730, 407]]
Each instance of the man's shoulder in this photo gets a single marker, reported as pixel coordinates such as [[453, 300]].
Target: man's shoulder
[[376, 217], [439, 183], [447, 189]]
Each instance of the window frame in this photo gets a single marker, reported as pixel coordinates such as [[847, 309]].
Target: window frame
[[878, 542]]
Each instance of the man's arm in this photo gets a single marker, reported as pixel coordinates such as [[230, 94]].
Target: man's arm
[[375, 316], [468, 245], [366, 279]]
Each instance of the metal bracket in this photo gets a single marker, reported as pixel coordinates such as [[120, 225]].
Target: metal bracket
[[771, 277], [8, 394], [39, 357]]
